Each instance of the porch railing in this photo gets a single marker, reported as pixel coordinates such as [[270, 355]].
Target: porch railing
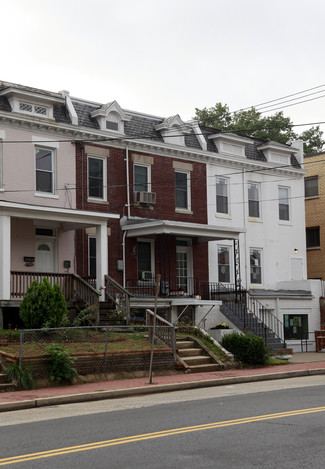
[[165, 331], [74, 288], [169, 288], [119, 295]]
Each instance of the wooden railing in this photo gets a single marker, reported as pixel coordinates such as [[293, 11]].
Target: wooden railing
[[164, 330], [119, 295], [74, 288]]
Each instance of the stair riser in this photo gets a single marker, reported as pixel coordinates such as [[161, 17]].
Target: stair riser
[[197, 361], [189, 352], [184, 344]]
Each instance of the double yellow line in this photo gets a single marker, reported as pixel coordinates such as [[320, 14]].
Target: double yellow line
[[149, 436]]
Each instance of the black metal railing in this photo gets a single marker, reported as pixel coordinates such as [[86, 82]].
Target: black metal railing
[[169, 288]]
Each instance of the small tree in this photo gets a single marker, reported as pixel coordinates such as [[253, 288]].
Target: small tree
[[43, 306]]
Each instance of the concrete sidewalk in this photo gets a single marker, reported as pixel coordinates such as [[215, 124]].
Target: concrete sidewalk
[[302, 364]]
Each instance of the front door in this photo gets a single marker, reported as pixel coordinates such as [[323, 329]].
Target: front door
[[184, 266], [45, 256]]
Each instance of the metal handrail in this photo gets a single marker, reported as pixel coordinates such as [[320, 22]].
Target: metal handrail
[[165, 331], [119, 295]]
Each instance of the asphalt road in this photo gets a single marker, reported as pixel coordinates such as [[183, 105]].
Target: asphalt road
[[272, 424]]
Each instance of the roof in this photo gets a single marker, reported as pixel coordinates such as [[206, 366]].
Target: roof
[[140, 125]]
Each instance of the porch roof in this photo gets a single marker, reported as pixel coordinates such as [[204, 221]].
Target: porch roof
[[195, 230], [68, 219]]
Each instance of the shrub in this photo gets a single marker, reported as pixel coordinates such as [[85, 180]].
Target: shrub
[[43, 306], [60, 363], [249, 349], [21, 375], [86, 317]]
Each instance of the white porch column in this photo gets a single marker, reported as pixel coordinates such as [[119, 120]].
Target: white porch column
[[101, 257], [5, 254]]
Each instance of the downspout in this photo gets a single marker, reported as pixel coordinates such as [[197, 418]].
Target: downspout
[[128, 208], [82, 205], [245, 224]]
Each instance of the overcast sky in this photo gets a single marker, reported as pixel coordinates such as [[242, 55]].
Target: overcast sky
[[167, 57]]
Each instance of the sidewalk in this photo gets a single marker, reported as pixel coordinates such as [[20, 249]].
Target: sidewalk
[[302, 364]]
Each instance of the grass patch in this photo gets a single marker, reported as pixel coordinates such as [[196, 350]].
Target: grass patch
[[190, 331], [92, 342]]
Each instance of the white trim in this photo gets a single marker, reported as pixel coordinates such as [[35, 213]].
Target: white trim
[[188, 180], [47, 195], [47, 142], [252, 284], [152, 253], [148, 166], [53, 169], [92, 198]]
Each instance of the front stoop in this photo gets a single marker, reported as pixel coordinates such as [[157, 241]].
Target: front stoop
[[195, 358]]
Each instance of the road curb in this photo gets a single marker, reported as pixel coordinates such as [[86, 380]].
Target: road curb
[[152, 389]]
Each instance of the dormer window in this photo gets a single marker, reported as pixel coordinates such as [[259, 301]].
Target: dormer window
[[110, 117], [33, 108], [173, 130]]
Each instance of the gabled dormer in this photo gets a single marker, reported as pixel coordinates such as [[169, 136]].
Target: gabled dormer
[[230, 143], [111, 117], [30, 103], [173, 130], [277, 152]]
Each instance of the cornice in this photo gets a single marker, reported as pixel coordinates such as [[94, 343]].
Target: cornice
[[158, 148]]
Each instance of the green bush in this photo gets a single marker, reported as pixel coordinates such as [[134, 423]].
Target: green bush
[[21, 375], [249, 349], [86, 317], [60, 363], [43, 306]]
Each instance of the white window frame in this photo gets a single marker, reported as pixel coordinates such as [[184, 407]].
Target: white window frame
[[260, 251], [33, 106], [228, 248], [287, 199], [148, 166], [90, 197], [53, 170], [188, 187], [258, 187], [226, 185]]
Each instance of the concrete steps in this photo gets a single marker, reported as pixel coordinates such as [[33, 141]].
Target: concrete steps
[[194, 358]]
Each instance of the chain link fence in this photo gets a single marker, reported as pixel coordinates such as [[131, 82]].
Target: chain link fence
[[108, 349]]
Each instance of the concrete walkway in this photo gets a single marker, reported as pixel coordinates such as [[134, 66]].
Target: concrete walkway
[[302, 364]]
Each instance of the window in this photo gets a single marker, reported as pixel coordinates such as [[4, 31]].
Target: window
[[33, 108], [44, 170], [311, 187], [284, 203], [142, 178], [1, 159], [295, 326], [96, 178], [182, 190], [224, 264], [110, 125], [92, 256], [256, 266], [222, 195], [145, 258], [253, 200], [313, 237]]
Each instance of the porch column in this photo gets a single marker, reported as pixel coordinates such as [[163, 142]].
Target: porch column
[[5, 248], [101, 257]]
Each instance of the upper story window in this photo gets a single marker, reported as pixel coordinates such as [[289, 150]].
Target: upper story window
[[111, 125], [44, 170], [256, 266], [253, 200], [284, 195], [2, 136], [33, 108], [182, 190], [224, 264], [96, 178], [313, 237], [222, 201], [311, 187], [142, 178]]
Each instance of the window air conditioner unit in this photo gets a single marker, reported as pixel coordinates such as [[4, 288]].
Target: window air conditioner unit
[[146, 275], [145, 197]]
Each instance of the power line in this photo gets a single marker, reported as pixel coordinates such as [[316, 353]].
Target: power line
[[290, 105], [279, 99]]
